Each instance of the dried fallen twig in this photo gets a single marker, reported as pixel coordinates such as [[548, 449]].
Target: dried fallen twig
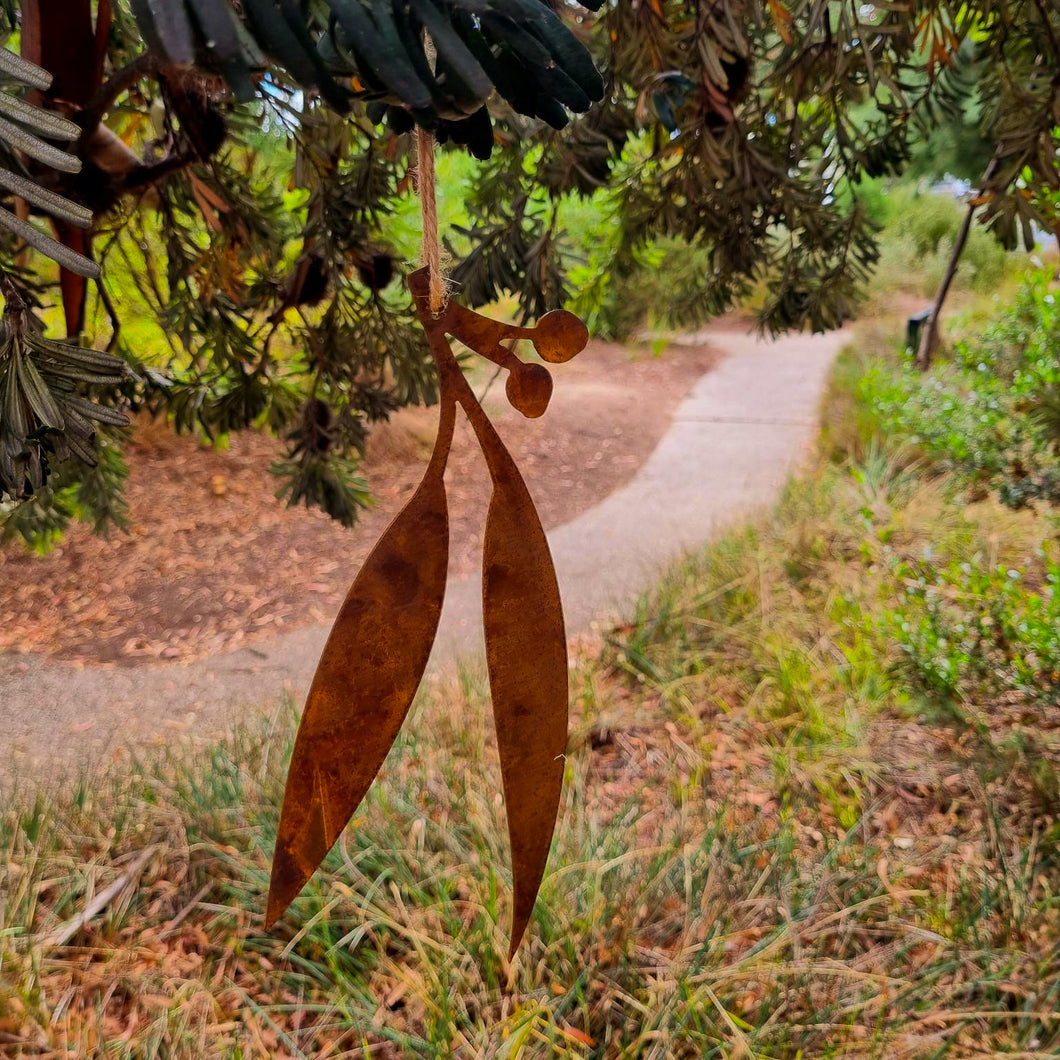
[[173, 924], [61, 936]]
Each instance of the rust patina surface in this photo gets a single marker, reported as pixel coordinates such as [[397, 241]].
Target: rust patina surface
[[375, 656]]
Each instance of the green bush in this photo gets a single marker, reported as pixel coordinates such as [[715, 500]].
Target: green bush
[[970, 630], [983, 263], [669, 286], [992, 413], [925, 219], [973, 625], [917, 237]]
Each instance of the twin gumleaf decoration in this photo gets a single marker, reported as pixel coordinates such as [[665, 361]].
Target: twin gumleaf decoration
[[376, 654], [378, 649]]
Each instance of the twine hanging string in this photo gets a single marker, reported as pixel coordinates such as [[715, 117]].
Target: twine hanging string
[[431, 252]]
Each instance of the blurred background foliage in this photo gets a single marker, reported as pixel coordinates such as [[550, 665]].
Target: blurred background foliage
[[742, 154]]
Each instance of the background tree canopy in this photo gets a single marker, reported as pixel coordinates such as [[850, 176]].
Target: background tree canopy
[[245, 171]]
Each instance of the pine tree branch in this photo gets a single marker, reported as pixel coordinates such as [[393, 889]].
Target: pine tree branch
[[144, 65], [1052, 37]]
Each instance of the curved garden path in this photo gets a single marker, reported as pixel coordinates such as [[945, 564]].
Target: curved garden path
[[732, 443]]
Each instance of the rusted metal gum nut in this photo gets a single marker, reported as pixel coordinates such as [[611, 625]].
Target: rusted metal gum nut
[[560, 335], [529, 389]]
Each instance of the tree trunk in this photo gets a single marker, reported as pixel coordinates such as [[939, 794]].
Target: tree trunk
[[60, 36], [929, 340]]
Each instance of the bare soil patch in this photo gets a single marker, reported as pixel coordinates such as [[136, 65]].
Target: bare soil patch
[[213, 559]]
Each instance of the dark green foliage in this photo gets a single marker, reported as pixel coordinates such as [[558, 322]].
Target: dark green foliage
[[515, 244], [45, 391], [359, 353], [1019, 96], [954, 143], [89, 493]]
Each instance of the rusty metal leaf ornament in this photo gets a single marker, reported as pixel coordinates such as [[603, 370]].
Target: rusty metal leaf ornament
[[365, 681], [378, 648], [526, 652]]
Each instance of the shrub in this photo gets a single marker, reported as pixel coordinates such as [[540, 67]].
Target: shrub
[[971, 629], [992, 413], [919, 230], [671, 285]]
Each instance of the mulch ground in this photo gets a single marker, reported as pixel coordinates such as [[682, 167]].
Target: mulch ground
[[212, 559]]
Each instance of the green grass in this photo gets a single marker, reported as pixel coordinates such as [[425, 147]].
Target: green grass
[[781, 836]]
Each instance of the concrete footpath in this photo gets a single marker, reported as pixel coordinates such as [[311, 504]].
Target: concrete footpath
[[734, 440]]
